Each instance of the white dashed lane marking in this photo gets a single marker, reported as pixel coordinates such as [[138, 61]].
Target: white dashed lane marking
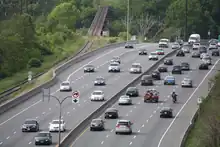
[[8, 137], [130, 143], [134, 137], [29, 142], [14, 133], [151, 116], [1, 143], [102, 142], [139, 131]]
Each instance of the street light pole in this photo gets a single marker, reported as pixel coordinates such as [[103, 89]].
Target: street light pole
[[186, 19], [128, 19]]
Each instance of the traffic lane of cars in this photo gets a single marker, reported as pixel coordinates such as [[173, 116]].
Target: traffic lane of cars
[[46, 114], [180, 125]]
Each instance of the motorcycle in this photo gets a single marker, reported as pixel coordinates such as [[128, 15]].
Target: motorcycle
[[174, 98]]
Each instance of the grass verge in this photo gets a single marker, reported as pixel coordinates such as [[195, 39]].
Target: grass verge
[[206, 130]]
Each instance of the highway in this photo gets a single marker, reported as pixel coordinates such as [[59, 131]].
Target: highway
[[45, 112], [149, 130]]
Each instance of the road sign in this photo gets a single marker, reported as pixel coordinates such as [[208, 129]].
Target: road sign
[[75, 97]]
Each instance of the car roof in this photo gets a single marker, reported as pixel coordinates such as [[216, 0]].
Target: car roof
[[153, 52], [123, 120], [132, 87], [30, 120], [184, 63], [166, 108], [111, 109], [99, 77], [89, 65], [97, 91], [44, 132], [57, 120], [136, 64], [97, 119], [186, 78]]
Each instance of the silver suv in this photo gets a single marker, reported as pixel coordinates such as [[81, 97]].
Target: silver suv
[[123, 126], [114, 67]]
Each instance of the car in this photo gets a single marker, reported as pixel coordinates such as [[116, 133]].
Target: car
[[99, 81], [114, 67], [186, 82], [185, 66], [207, 60], [195, 54], [142, 52], [164, 43], [136, 68], [151, 95], [43, 138], [196, 46], [111, 113], [203, 66], [180, 41], [97, 124], [153, 56], [176, 45], [124, 100], [116, 59], [213, 41], [65, 86], [185, 49], [204, 55], [177, 69], [160, 52], [213, 46], [89, 68], [123, 126], [202, 49], [169, 80], [30, 125], [146, 80], [156, 75], [180, 53], [54, 126], [218, 44], [132, 92], [129, 45], [168, 61], [166, 112], [162, 69], [97, 95], [215, 53]]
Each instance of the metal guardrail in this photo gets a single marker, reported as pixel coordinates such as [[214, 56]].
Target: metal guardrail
[[94, 22]]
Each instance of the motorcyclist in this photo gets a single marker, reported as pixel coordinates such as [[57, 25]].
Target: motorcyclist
[[174, 95]]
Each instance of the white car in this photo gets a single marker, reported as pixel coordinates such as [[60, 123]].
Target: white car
[[213, 46], [124, 100], [176, 45], [196, 46], [54, 126], [153, 56], [204, 55], [65, 86], [114, 67], [116, 59], [207, 60], [185, 49], [97, 95], [136, 68], [164, 43]]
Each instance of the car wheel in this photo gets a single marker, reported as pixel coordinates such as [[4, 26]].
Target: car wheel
[[116, 133], [91, 129]]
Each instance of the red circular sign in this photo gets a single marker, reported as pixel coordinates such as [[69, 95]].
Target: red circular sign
[[75, 94]]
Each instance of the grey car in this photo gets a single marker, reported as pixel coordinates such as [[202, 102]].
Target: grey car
[[89, 68], [30, 125], [123, 126], [43, 138], [196, 54], [124, 100], [147, 80], [142, 52], [99, 81], [187, 82], [97, 124]]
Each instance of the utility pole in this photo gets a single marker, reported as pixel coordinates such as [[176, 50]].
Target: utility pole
[[128, 19], [186, 20]]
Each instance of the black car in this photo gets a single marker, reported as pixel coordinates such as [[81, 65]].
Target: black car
[[97, 124], [162, 69], [177, 70], [142, 52], [168, 62], [99, 81], [156, 75], [111, 113], [132, 92], [180, 53], [89, 68], [166, 112], [202, 49], [146, 80], [129, 45], [43, 138], [195, 55], [215, 53], [30, 125], [203, 66], [185, 66]]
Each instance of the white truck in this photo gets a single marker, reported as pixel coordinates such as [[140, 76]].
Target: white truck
[[194, 38]]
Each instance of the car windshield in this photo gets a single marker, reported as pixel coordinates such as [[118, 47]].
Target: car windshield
[[131, 89], [169, 78], [197, 44], [176, 43], [192, 38], [114, 64], [115, 58], [43, 135], [153, 53], [184, 64], [30, 122], [96, 121], [57, 122], [124, 97], [135, 66], [90, 66], [160, 50], [213, 44], [65, 84], [186, 47], [123, 123], [99, 79], [97, 93], [164, 40]]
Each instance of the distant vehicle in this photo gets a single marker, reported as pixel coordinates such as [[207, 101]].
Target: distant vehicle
[[97, 95], [65, 86], [54, 126], [194, 38], [30, 125], [136, 68], [97, 124], [129, 45], [177, 69], [203, 66], [132, 92], [196, 46], [168, 61], [169, 80], [43, 138], [116, 59], [123, 126], [180, 41], [164, 43], [142, 52], [176, 45], [146, 80], [218, 44], [202, 49], [207, 60], [156, 75], [99, 81], [185, 66], [124, 100], [114, 67], [180, 53], [204, 55], [213, 46], [153, 56], [196, 54], [160, 52], [89, 68], [166, 112], [151, 95], [111, 113], [213, 41], [187, 82], [162, 69], [185, 49], [215, 53]]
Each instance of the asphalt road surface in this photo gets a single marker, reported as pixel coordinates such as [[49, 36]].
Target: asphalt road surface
[[45, 112], [149, 130]]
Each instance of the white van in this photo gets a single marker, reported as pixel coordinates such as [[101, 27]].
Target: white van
[[194, 38]]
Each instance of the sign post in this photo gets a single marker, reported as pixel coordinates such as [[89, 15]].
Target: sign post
[[30, 76], [218, 38], [75, 97], [209, 34]]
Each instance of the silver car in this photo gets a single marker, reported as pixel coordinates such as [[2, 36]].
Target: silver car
[[185, 49], [136, 68], [213, 46], [207, 60], [123, 126], [187, 82], [99, 81], [176, 45], [114, 67], [124, 100]]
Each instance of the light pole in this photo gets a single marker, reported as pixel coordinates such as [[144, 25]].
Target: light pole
[[128, 19], [186, 19]]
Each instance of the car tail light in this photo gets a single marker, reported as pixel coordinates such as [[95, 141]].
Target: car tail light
[[117, 126]]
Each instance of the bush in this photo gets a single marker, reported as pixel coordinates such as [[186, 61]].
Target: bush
[[112, 40], [34, 62]]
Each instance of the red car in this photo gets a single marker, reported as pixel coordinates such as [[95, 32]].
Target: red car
[[160, 52], [151, 95]]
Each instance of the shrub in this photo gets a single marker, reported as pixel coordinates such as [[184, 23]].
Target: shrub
[[112, 40], [34, 62]]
